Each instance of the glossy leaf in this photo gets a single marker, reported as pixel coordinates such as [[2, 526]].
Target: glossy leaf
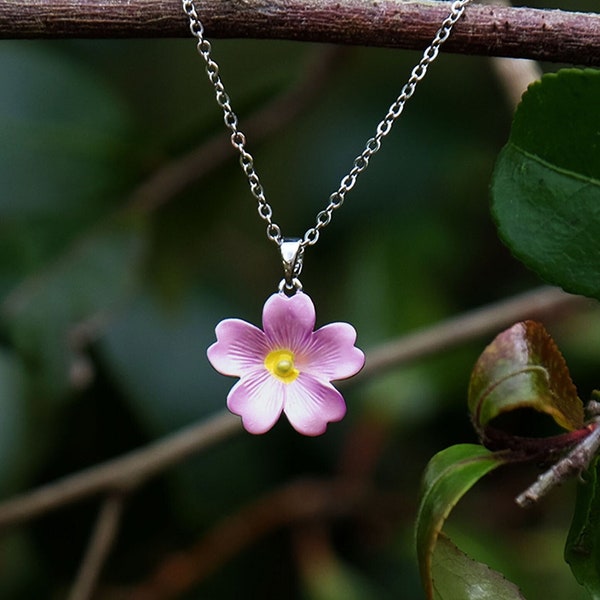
[[582, 550], [546, 184], [449, 475], [523, 368], [457, 576]]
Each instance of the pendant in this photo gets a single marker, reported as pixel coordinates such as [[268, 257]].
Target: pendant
[[286, 367]]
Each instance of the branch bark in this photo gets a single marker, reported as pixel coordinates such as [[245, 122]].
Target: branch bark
[[550, 35]]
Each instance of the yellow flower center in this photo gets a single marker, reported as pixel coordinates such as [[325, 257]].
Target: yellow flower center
[[281, 364]]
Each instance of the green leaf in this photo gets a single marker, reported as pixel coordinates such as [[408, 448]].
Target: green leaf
[[582, 550], [457, 576], [523, 368], [449, 475], [546, 184]]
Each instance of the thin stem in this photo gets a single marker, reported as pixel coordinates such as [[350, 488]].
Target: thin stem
[[551, 35], [101, 542], [295, 502], [124, 473], [542, 303], [129, 471], [574, 463]]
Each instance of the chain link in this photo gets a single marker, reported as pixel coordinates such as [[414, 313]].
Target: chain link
[[361, 162]]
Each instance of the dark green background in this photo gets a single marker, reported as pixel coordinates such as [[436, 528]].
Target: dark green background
[[82, 123]]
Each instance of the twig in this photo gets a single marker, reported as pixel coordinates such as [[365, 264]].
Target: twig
[[101, 542], [490, 30], [574, 463], [128, 471], [542, 303], [120, 474], [297, 501]]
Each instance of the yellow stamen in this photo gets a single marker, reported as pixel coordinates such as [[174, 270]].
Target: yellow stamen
[[281, 364]]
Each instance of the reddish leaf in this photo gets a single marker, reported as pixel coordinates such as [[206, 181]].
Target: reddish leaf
[[523, 368]]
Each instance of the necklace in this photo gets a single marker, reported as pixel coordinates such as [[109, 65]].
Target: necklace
[[287, 366]]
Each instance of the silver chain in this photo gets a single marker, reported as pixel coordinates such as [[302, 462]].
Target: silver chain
[[361, 162]]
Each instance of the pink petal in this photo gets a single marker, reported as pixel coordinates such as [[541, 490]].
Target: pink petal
[[288, 321], [331, 354], [240, 348], [258, 399], [310, 404]]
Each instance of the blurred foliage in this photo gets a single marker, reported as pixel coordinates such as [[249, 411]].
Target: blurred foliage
[[107, 310]]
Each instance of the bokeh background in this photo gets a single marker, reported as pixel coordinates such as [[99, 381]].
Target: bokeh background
[[111, 283]]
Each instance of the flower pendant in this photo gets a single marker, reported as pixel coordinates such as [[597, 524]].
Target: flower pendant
[[287, 366]]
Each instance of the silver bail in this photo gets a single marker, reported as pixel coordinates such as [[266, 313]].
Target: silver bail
[[292, 253]]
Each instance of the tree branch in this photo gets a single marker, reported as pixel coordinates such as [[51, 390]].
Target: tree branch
[[101, 542], [550, 35], [121, 474], [540, 304], [295, 502], [127, 472]]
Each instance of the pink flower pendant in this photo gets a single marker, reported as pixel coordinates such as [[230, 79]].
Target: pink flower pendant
[[287, 366]]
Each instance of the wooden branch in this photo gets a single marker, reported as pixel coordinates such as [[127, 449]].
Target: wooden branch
[[550, 35], [298, 502], [124, 473], [544, 303]]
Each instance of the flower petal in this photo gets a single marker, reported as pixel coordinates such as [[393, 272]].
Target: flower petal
[[288, 321], [310, 404], [240, 348], [331, 354], [258, 399]]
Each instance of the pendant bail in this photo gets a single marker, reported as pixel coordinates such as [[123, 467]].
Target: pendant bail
[[292, 255]]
